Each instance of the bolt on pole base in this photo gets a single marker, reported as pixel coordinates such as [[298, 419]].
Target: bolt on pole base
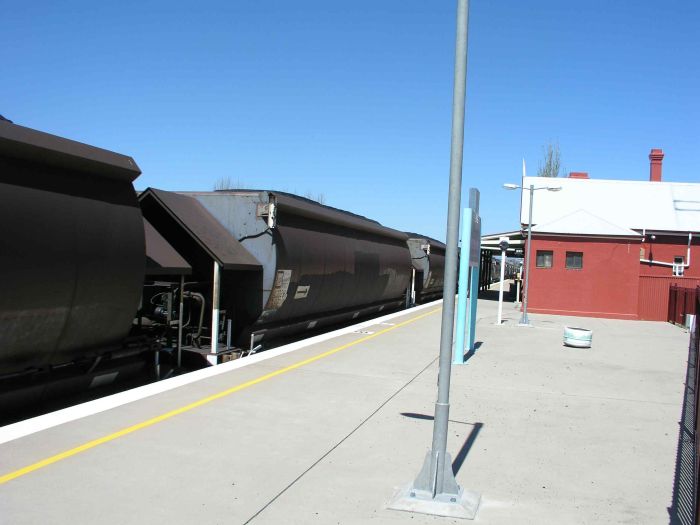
[[422, 496]]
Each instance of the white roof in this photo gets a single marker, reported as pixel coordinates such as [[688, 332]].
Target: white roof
[[515, 240], [582, 222], [496, 236], [662, 206]]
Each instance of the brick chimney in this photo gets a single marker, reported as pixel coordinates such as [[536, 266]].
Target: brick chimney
[[578, 175], [656, 156]]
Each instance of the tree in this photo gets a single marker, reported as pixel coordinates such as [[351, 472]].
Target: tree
[[226, 183], [223, 183], [551, 162], [320, 197]]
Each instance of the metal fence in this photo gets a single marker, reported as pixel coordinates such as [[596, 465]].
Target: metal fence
[[695, 377], [693, 382], [681, 302], [685, 506]]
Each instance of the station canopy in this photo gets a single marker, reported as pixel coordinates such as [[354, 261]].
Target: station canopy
[[516, 242]]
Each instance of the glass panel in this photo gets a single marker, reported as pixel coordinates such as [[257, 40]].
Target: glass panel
[[574, 260], [678, 265], [544, 259]]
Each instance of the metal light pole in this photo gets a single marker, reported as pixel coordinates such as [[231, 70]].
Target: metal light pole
[[435, 490], [442, 406], [524, 320]]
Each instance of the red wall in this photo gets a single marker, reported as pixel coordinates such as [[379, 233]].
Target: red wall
[[606, 286], [654, 292], [664, 248]]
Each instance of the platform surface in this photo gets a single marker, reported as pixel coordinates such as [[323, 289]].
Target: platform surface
[[326, 433]]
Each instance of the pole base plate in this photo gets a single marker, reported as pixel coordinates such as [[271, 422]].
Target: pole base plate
[[463, 505]]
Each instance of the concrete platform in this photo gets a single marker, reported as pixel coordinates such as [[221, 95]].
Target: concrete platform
[[327, 432]]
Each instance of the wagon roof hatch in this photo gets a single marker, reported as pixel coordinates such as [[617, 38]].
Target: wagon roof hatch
[[300, 206], [32, 145], [425, 238]]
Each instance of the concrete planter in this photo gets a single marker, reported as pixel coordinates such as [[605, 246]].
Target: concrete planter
[[578, 337]]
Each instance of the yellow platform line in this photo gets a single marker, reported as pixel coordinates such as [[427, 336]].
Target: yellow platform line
[[149, 422]]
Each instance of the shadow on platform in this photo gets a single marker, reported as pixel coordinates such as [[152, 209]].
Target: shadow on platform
[[492, 295], [468, 443], [471, 353]]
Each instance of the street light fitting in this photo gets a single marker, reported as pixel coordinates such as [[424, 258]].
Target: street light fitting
[[524, 320]]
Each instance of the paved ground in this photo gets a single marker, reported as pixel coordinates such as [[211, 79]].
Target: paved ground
[[547, 434]]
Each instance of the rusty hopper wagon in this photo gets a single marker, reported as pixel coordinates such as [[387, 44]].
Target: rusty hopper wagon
[[428, 258], [73, 261], [72, 249], [278, 264]]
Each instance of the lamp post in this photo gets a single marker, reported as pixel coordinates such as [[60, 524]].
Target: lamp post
[[524, 320]]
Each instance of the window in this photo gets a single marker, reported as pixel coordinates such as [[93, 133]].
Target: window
[[574, 260], [544, 259], [678, 265]]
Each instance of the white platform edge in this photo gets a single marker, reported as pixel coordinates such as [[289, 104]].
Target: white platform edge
[[52, 419]]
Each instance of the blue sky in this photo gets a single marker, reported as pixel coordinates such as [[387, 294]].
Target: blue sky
[[352, 100]]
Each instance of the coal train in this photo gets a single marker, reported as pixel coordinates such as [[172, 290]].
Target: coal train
[[96, 274]]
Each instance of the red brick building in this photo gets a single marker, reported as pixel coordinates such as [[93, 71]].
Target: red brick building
[[611, 248]]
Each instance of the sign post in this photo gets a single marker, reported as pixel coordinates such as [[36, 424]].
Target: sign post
[[503, 245], [473, 297], [470, 255]]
